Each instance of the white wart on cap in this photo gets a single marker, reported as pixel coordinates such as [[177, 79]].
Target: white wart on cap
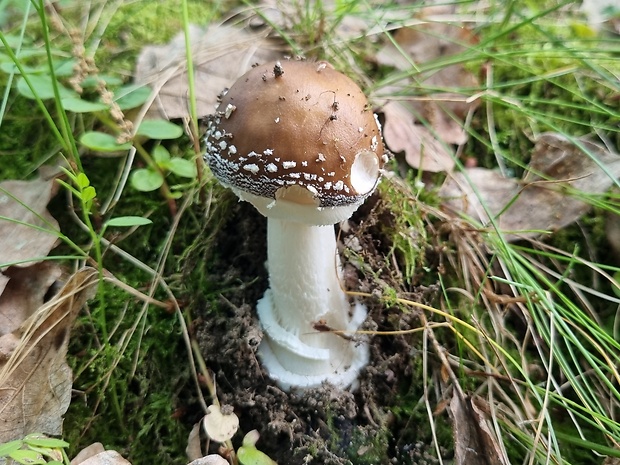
[[299, 131]]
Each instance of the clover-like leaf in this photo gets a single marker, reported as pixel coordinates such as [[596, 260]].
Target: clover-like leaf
[[182, 167], [146, 180], [82, 180], [89, 193], [42, 87], [78, 105], [102, 142], [132, 96], [159, 129], [95, 80], [161, 155]]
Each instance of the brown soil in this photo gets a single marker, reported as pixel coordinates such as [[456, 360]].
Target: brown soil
[[377, 424]]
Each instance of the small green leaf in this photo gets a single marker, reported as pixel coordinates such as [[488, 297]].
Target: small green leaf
[[102, 142], [146, 180], [89, 194], [16, 40], [159, 129], [54, 453], [42, 87], [93, 81], [128, 221], [9, 447], [37, 439], [27, 457], [132, 96], [61, 69], [182, 167], [64, 68], [82, 180], [77, 105], [250, 455], [161, 155], [9, 67]]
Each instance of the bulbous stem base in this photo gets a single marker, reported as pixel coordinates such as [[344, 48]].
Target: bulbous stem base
[[305, 288]]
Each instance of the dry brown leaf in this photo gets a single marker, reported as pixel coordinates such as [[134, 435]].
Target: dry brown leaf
[[422, 150], [543, 200], [24, 293], [4, 280], [474, 441], [442, 111], [476, 191], [27, 230], [220, 55], [35, 381], [194, 450], [612, 231], [194, 447]]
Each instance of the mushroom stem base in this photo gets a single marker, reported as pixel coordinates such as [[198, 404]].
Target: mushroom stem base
[[344, 367], [305, 289]]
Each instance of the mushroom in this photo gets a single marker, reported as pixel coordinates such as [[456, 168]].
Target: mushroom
[[299, 141]]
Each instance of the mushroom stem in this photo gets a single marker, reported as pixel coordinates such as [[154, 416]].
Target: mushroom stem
[[305, 287]]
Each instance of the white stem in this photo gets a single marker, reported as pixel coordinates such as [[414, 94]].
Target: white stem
[[304, 276], [305, 288]]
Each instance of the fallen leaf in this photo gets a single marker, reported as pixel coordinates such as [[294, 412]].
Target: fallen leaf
[[220, 54], [442, 110], [422, 150], [478, 193], [27, 229], [221, 424], [474, 441], [35, 380], [611, 461], [612, 232], [24, 292], [548, 196], [194, 448]]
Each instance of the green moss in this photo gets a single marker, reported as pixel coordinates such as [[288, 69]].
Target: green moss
[[136, 392], [25, 141], [362, 445], [401, 221], [369, 447]]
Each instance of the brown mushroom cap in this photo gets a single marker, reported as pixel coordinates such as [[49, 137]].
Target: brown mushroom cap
[[283, 126]]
